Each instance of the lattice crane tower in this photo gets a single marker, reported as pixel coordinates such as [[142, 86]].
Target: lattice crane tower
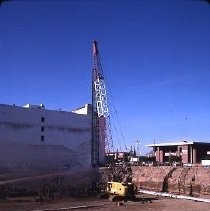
[[101, 129]]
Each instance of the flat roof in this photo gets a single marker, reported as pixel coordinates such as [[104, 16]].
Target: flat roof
[[180, 143]]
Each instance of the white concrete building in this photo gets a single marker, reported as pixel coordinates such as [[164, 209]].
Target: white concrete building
[[34, 138]]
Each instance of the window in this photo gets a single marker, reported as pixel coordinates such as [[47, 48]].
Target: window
[[42, 138], [42, 119], [42, 128]]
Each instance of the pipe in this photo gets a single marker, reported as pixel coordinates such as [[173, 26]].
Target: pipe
[[174, 196]]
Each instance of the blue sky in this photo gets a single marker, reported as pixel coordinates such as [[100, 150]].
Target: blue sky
[[155, 54]]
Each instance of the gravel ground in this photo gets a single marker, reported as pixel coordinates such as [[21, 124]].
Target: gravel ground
[[161, 204]]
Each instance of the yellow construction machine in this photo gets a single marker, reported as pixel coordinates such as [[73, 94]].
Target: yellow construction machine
[[119, 191]]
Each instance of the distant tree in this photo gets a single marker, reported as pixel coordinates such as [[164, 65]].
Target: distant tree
[[151, 159], [174, 158], [134, 152]]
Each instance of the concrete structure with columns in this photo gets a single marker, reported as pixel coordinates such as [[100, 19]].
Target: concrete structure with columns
[[189, 151]]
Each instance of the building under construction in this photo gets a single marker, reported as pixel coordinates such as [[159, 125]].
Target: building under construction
[[34, 138], [36, 141], [41, 147]]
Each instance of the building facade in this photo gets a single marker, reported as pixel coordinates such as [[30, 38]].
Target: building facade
[[33, 137], [188, 152]]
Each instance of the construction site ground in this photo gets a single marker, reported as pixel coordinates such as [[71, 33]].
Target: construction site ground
[[94, 203]]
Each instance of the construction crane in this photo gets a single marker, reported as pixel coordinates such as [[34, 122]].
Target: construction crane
[[120, 184], [101, 128]]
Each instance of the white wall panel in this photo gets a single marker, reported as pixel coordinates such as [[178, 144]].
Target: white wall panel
[[67, 138]]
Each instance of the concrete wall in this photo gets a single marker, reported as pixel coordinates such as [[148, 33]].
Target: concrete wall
[[44, 138]]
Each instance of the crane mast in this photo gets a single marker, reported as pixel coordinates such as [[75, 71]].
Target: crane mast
[[101, 129]]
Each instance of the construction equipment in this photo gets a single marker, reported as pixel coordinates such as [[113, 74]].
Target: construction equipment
[[119, 191], [102, 143], [101, 129]]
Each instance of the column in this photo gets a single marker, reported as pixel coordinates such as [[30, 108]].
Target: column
[[194, 155]]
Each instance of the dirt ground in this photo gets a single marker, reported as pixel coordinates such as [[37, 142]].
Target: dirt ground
[[94, 203]]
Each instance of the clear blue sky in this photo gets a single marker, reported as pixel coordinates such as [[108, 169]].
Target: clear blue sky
[[156, 57]]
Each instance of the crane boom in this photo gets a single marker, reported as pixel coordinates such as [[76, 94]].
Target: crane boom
[[101, 128]]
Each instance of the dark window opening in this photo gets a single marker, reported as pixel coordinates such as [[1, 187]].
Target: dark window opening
[[42, 119], [42, 138], [42, 129]]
